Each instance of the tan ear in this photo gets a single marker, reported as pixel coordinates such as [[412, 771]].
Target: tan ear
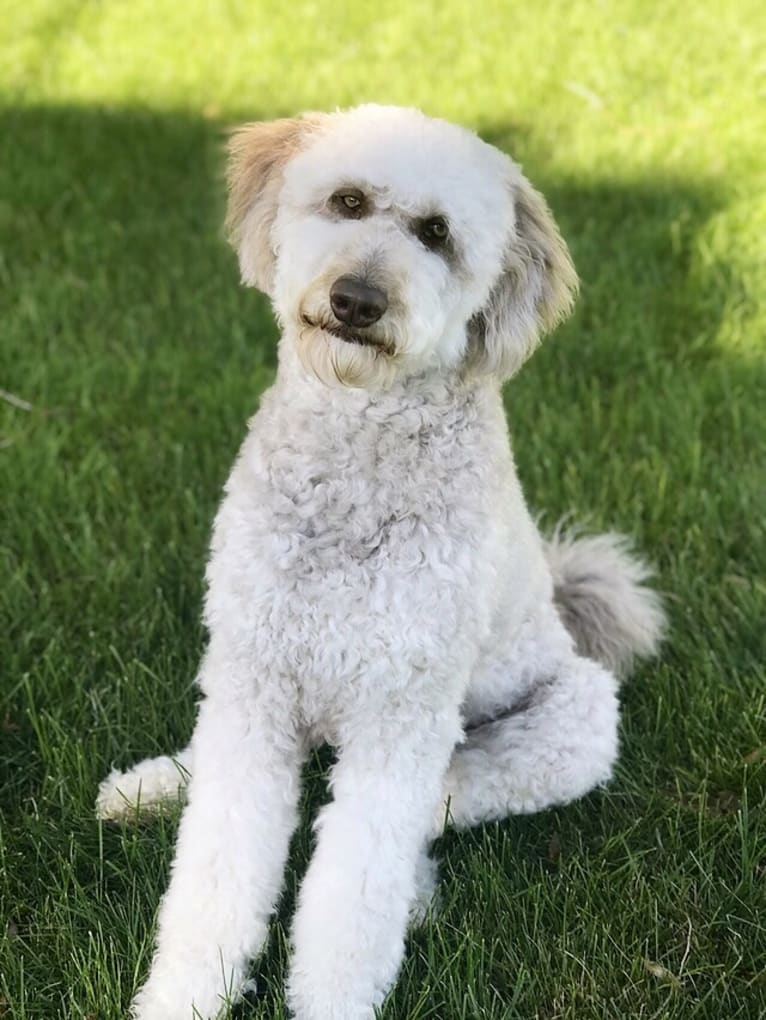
[[258, 154], [535, 291]]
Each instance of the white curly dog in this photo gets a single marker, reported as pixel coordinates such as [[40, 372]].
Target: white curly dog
[[376, 580]]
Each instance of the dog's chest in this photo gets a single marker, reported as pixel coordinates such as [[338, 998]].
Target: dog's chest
[[350, 520], [337, 546]]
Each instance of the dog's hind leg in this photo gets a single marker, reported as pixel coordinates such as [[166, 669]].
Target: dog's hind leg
[[144, 788], [426, 898], [550, 747]]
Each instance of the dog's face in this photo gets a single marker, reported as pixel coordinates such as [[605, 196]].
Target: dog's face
[[393, 244]]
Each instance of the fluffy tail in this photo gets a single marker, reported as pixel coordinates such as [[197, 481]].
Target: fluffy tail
[[600, 593]]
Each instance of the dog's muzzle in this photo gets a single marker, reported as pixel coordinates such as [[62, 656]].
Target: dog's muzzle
[[355, 307]]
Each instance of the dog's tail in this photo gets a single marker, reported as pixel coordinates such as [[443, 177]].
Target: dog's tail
[[603, 601]]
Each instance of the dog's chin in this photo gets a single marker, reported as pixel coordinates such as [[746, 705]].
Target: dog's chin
[[337, 355]]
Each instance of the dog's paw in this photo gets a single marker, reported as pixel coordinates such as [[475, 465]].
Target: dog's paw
[[142, 790], [119, 797], [426, 902], [442, 817]]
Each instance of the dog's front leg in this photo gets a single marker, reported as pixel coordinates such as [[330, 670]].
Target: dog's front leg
[[352, 916], [232, 845]]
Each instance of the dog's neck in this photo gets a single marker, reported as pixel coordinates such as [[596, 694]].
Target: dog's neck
[[425, 395]]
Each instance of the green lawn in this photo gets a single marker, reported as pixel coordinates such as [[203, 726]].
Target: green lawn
[[130, 360]]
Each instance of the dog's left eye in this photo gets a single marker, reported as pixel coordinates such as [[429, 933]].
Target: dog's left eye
[[433, 232], [348, 203]]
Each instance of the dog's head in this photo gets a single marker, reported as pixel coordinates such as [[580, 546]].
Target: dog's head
[[393, 244]]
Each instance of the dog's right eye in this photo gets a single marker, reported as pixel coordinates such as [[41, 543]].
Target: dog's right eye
[[348, 203]]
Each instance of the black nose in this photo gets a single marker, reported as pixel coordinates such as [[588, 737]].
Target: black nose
[[357, 303]]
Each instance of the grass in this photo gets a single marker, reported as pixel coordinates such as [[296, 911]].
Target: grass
[[136, 360]]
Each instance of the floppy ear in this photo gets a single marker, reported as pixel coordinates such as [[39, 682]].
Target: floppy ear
[[534, 292], [258, 154]]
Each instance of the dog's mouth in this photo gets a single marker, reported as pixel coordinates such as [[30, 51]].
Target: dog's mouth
[[350, 336]]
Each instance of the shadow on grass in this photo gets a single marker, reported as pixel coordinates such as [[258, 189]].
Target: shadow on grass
[[138, 195], [124, 327]]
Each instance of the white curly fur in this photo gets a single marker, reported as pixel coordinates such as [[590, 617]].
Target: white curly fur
[[375, 578]]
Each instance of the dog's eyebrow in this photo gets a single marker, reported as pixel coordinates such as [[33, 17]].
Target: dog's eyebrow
[[364, 185], [368, 195]]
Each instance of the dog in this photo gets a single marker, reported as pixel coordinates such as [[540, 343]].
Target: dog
[[376, 580]]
